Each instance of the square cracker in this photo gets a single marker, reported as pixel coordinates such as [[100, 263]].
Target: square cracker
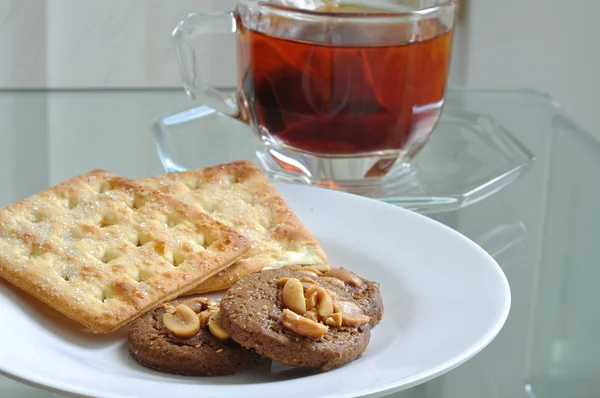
[[240, 196], [102, 249]]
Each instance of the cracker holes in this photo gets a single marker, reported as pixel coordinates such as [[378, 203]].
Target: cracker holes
[[209, 241], [64, 276], [78, 232], [139, 201], [172, 222], [107, 221], [133, 238], [191, 184], [143, 238], [38, 217], [179, 257], [230, 179], [32, 218], [72, 202], [143, 276], [129, 201], [106, 295], [164, 251], [42, 216], [36, 251], [111, 254], [209, 207], [105, 187]]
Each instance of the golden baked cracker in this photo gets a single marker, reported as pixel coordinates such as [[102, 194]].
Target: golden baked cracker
[[241, 197], [102, 249]]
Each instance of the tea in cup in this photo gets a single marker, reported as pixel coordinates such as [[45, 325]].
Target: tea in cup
[[340, 92]]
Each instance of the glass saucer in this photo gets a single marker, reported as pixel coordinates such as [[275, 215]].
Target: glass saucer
[[468, 158]]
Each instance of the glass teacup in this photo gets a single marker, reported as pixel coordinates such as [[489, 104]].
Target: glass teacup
[[341, 93]]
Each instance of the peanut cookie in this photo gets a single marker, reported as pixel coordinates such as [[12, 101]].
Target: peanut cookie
[[295, 319], [185, 337]]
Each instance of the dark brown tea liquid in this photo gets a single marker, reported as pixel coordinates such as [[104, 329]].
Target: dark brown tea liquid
[[334, 99]]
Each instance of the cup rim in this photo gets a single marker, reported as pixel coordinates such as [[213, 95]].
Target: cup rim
[[388, 14]]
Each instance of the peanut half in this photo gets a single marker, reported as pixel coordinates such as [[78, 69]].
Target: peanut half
[[215, 328], [345, 276], [204, 316], [307, 282], [317, 297], [282, 281], [302, 326], [325, 307], [352, 315], [293, 296], [312, 298], [182, 322], [335, 320], [334, 281]]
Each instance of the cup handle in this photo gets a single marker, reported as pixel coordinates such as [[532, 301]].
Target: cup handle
[[196, 87]]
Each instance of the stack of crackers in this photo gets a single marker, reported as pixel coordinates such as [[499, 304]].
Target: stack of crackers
[[102, 249]]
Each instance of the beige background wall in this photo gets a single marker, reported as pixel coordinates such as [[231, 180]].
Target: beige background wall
[[108, 43]]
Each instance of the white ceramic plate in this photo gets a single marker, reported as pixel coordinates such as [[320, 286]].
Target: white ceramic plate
[[445, 300]]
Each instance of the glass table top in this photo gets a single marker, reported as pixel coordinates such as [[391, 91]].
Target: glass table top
[[541, 228]]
